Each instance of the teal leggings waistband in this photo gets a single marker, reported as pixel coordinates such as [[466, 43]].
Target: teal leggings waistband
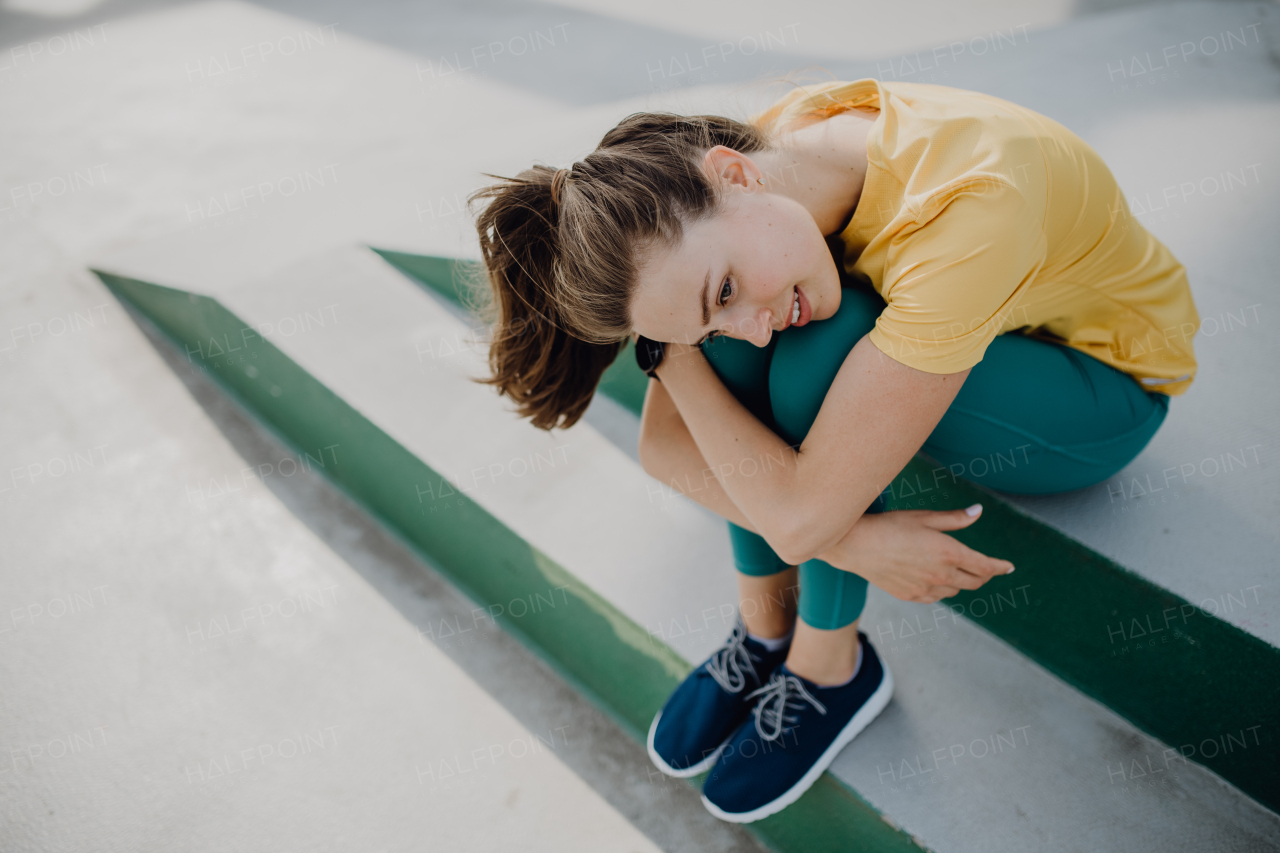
[[1033, 417]]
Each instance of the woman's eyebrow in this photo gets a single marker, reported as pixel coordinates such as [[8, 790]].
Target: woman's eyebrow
[[706, 309]]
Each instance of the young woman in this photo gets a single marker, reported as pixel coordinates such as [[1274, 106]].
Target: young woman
[[999, 304]]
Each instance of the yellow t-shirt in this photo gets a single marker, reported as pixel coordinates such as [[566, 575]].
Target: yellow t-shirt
[[980, 217]]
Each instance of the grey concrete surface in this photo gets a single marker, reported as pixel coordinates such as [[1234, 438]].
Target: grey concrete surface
[[1206, 478], [190, 666], [132, 128], [665, 810], [1058, 774]]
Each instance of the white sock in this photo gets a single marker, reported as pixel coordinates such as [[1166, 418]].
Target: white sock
[[856, 667], [776, 643]]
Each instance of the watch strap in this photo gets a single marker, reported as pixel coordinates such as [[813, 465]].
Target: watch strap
[[649, 355]]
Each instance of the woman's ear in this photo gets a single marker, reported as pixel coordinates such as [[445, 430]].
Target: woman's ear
[[723, 164]]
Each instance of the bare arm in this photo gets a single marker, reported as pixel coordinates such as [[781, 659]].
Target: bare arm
[[906, 552], [669, 454], [980, 239], [805, 505]]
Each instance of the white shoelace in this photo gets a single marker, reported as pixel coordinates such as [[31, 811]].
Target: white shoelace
[[727, 665], [776, 698]]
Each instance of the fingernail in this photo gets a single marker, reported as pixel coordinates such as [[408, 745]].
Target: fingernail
[[973, 510], [1010, 571]]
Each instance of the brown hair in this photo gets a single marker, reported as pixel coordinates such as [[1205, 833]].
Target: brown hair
[[562, 250], [562, 268]]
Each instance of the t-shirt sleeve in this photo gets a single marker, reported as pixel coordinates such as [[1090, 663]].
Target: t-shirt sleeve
[[954, 273]]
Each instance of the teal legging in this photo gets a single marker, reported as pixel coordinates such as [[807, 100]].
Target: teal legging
[[1033, 417]]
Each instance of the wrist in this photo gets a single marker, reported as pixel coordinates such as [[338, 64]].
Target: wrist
[[851, 553], [678, 356]]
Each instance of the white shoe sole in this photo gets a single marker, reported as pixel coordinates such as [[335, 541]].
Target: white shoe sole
[[868, 712], [700, 767]]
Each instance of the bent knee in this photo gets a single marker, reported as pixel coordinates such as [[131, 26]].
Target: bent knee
[[808, 358]]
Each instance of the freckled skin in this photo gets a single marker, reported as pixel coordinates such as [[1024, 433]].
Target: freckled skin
[[768, 241]]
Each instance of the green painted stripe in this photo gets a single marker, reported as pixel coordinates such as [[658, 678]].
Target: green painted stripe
[[1178, 673], [615, 662], [449, 278], [1199, 684]]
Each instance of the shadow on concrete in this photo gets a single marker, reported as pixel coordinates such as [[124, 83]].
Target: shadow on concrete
[[668, 811], [582, 59]]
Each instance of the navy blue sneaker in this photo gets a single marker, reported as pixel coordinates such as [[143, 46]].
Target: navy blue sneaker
[[798, 730], [688, 734]]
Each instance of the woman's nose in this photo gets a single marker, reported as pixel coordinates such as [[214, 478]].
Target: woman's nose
[[758, 329]]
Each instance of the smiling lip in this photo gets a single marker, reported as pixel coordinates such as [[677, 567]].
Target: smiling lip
[[806, 311]]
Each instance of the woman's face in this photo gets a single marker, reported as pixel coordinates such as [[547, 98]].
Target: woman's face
[[749, 262]]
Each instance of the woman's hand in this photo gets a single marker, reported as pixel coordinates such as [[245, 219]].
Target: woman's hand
[[907, 555]]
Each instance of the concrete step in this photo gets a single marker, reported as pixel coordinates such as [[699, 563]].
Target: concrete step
[[1116, 632], [1206, 478], [195, 659], [225, 134], [646, 585]]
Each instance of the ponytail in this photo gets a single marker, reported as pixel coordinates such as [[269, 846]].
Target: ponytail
[[536, 361], [561, 249]]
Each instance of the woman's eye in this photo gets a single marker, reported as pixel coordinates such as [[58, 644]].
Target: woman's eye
[[711, 336]]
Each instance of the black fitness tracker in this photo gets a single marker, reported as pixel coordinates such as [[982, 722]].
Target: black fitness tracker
[[649, 355]]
